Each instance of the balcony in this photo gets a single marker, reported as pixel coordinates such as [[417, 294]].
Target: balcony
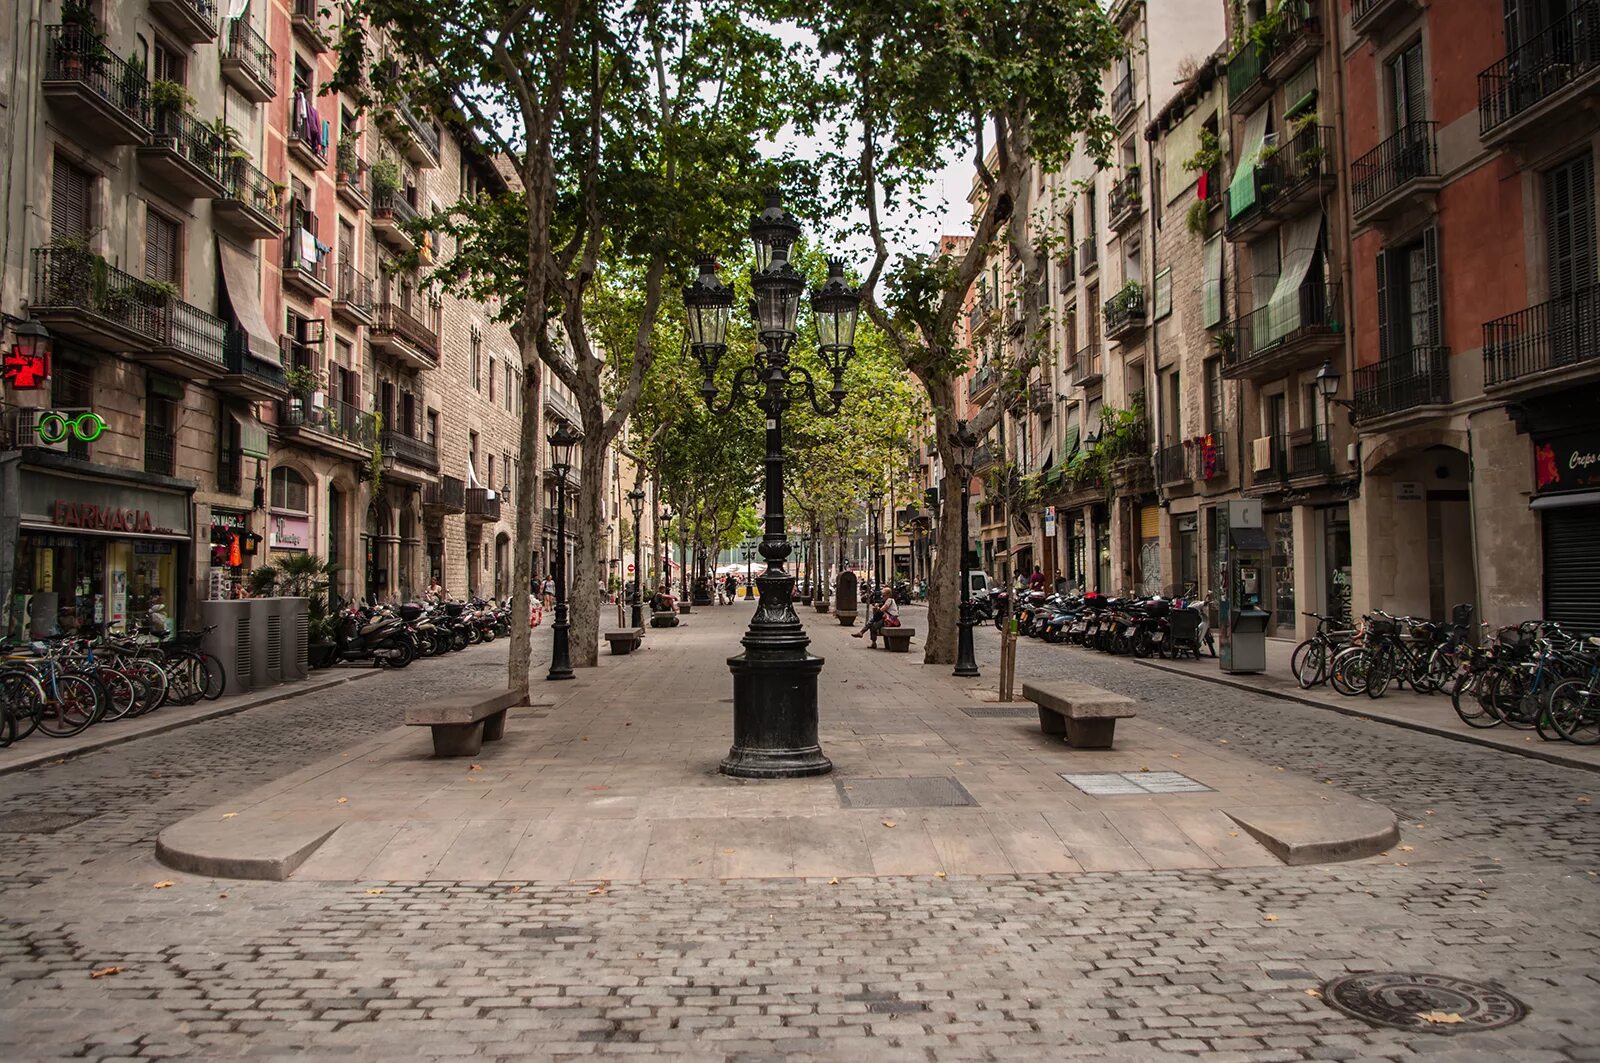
[[1086, 365], [1125, 312], [247, 376], [392, 217], [1247, 81], [191, 21], [183, 156], [350, 175], [1372, 18], [190, 342], [305, 265], [1302, 460], [1172, 464], [1311, 458], [483, 505], [982, 384], [1088, 257], [248, 62], [1122, 100], [1543, 344], [404, 450], [564, 408], [1524, 95], [447, 495], [1198, 460], [984, 459], [160, 451], [309, 26], [352, 300], [1125, 201], [408, 331], [79, 295], [250, 203], [103, 100], [1419, 379], [1041, 399], [337, 427], [1069, 269], [306, 145], [417, 137], [1298, 38], [1303, 328], [1287, 179], [1395, 174]]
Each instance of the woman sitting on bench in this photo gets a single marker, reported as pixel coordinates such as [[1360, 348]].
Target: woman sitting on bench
[[882, 616]]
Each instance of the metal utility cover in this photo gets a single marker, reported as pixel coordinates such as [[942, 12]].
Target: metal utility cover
[[937, 792], [998, 712], [1119, 783]]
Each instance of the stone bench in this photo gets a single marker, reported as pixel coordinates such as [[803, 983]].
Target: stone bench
[[897, 639], [847, 617], [462, 724], [1086, 715], [626, 641], [663, 618]]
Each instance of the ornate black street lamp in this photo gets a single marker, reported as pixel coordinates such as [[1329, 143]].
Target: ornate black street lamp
[[875, 501], [841, 524], [749, 556], [665, 524], [636, 503], [561, 443], [964, 449], [775, 679]]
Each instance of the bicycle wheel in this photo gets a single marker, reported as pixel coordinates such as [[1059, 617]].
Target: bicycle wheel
[[181, 686], [1348, 671], [21, 697], [1309, 663], [121, 695], [1507, 690], [1574, 712], [1380, 671], [154, 680], [216, 676], [1420, 674], [70, 705], [1468, 702]]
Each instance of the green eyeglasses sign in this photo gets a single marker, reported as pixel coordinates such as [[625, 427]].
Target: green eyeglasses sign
[[55, 426]]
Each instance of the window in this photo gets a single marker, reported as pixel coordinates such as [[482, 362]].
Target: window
[[491, 378], [1163, 293], [477, 357], [69, 201], [1132, 262], [1212, 283], [1408, 297], [1265, 262], [510, 391], [160, 248], [167, 64], [1569, 226], [491, 472], [1089, 223], [1213, 372], [289, 490], [433, 428], [160, 419], [472, 451], [1408, 92]]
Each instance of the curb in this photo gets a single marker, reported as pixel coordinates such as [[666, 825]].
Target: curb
[[1533, 752], [47, 755]]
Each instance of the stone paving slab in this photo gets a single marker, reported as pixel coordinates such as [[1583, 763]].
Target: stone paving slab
[[617, 780]]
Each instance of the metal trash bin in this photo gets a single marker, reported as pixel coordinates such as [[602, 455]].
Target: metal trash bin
[[231, 642]]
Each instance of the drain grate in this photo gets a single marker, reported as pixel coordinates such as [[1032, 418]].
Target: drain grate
[[1118, 783], [996, 712], [1432, 1002], [937, 792]]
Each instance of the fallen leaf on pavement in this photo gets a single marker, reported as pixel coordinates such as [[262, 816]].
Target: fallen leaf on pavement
[[375, 890], [516, 889], [224, 896], [727, 852], [344, 800], [1233, 834], [1314, 993], [938, 874], [1270, 918], [476, 767], [1144, 769], [229, 815], [833, 882], [888, 823], [1429, 812], [1408, 848], [600, 890], [104, 971], [1223, 741], [1583, 799], [1277, 769], [163, 884], [1446, 1018], [1177, 756], [1401, 863]]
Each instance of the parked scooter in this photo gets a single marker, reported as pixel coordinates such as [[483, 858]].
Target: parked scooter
[[374, 634]]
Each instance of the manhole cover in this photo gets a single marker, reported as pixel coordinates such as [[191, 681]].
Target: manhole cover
[[1117, 783], [995, 712], [1431, 1002], [937, 792], [37, 822]]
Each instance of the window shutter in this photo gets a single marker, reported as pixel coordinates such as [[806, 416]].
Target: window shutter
[[160, 249], [1570, 226], [69, 201], [1384, 345], [1430, 265]]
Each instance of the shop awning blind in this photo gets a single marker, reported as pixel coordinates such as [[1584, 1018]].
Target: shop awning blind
[[1302, 242], [252, 437], [1242, 191], [1212, 293], [239, 276]]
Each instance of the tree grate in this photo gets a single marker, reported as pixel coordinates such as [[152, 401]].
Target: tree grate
[[937, 792]]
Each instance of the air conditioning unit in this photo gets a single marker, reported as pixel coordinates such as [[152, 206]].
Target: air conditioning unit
[[25, 429]]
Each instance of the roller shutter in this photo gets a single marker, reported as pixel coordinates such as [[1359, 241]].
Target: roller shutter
[[1572, 567]]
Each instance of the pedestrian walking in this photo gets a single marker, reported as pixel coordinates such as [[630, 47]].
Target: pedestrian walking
[[549, 590]]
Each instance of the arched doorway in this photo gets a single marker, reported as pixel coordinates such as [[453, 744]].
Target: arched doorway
[[1418, 529], [376, 541], [502, 565]]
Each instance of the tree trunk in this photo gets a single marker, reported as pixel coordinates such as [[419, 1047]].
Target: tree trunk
[[583, 582], [518, 674], [944, 585]]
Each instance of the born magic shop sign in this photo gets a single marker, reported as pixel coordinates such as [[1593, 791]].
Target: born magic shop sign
[[1568, 462]]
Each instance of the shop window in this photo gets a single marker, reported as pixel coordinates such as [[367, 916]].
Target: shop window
[[289, 490]]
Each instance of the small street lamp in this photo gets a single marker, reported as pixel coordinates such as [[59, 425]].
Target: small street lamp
[[1328, 380], [561, 443], [875, 501], [636, 503], [666, 549], [775, 679], [841, 524], [749, 556], [964, 449]]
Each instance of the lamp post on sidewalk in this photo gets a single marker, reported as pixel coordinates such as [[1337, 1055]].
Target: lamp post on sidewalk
[[749, 557], [561, 443], [636, 503], [841, 524], [775, 679], [964, 446], [875, 501], [665, 525]]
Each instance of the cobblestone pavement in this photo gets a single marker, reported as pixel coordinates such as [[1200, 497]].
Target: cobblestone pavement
[[1215, 965]]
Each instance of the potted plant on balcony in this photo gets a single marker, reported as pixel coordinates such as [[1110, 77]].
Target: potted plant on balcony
[[81, 49], [385, 178]]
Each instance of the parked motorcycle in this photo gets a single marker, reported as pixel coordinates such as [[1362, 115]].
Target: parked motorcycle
[[373, 634]]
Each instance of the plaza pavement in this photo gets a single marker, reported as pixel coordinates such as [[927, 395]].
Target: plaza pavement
[[616, 780]]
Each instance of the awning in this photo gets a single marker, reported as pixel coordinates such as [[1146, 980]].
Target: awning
[[1242, 192], [252, 437], [1248, 538], [1576, 498], [1302, 239], [239, 276]]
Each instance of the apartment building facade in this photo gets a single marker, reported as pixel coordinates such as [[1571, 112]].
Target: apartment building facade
[[208, 239]]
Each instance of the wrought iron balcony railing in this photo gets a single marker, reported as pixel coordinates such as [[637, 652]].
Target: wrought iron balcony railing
[[246, 184], [482, 504], [1088, 256], [76, 54], [1420, 377], [410, 450], [1314, 310], [1407, 156], [355, 289], [1122, 98], [1543, 67], [393, 205], [251, 50], [449, 494], [1125, 311], [1244, 71], [236, 358], [1560, 332], [67, 280], [191, 140], [191, 331], [408, 323], [160, 451]]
